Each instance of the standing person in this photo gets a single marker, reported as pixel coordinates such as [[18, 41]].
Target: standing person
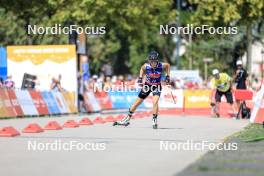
[[9, 83], [152, 71], [1, 82], [222, 82], [56, 84], [240, 78], [107, 69]]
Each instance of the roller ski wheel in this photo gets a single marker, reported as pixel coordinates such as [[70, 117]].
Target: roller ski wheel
[[154, 123], [121, 124]]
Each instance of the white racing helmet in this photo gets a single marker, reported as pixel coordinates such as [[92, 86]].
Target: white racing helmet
[[215, 71]]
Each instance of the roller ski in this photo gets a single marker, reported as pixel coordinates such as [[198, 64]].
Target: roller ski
[[154, 122], [124, 122]]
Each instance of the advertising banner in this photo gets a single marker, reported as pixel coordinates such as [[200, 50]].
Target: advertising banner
[[39, 102], [123, 100], [197, 98], [70, 98], [14, 101], [130, 98], [3, 63], [92, 105], [10, 112], [51, 102], [104, 99], [118, 100], [49, 63], [2, 107], [257, 113], [166, 100], [60, 102], [26, 102]]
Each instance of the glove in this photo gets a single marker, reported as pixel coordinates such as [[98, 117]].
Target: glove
[[140, 81], [167, 79]]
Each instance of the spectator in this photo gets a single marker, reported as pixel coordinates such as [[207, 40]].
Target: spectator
[[130, 81], [108, 83], [81, 103], [95, 84], [179, 83], [240, 78], [1, 83], [256, 84], [56, 84], [8, 83], [107, 70], [222, 83], [120, 80]]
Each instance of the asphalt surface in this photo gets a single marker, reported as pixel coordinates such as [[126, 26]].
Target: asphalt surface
[[132, 150]]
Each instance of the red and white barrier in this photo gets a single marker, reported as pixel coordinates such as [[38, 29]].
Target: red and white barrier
[[18, 103]]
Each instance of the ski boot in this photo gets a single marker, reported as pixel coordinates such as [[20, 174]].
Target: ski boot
[[155, 122], [123, 122]]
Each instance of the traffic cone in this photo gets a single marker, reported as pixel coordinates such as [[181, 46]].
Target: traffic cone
[[70, 124], [109, 119], [98, 120], [53, 125], [33, 128], [85, 121], [9, 132]]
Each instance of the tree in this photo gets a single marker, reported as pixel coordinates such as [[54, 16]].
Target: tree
[[233, 12], [129, 25]]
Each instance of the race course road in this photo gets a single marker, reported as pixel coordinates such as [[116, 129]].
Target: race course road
[[129, 151]]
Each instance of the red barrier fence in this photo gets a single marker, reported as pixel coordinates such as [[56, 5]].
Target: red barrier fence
[[18, 103]]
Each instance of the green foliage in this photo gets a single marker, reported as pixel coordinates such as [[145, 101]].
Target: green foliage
[[224, 48], [251, 133], [132, 28]]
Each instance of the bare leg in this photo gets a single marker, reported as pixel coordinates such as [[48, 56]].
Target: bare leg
[[125, 120], [238, 106], [136, 104], [155, 111], [217, 109], [155, 101], [233, 109]]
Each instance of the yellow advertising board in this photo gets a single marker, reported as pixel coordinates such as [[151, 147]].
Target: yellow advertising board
[[38, 54], [197, 98]]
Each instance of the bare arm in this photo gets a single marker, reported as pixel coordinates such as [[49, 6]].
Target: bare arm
[[166, 66], [142, 71]]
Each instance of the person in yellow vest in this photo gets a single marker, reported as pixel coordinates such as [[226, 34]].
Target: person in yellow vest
[[222, 82]]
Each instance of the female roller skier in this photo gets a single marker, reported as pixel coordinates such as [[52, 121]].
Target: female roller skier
[[152, 70]]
